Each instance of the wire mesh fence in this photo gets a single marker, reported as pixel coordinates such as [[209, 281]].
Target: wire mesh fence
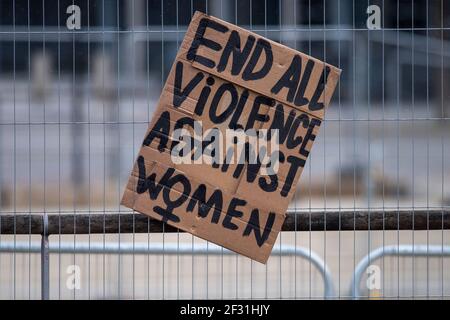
[[80, 81]]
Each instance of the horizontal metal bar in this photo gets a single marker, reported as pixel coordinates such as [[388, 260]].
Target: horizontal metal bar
[[69, 123], [182, 29], [330, 208], [166, 249], [295, 221]]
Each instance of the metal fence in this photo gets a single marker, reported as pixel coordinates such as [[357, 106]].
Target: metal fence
[[370, 216]]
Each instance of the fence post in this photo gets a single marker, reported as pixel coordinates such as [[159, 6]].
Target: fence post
[[45, 257]]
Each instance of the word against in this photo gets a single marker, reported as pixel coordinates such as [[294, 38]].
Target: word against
[[228, 309], [73, 22], [234, 147], [260, 105], [374, 19], [73, 281]]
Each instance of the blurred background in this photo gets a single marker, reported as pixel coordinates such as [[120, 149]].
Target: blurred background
[[76, 99]]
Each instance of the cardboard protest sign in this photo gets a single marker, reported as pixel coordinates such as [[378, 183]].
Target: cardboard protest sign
[[231, 97]]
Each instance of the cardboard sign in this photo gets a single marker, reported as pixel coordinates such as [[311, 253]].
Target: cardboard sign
[[230, 80]]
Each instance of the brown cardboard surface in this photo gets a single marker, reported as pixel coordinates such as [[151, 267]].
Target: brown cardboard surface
[[216, 79]]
